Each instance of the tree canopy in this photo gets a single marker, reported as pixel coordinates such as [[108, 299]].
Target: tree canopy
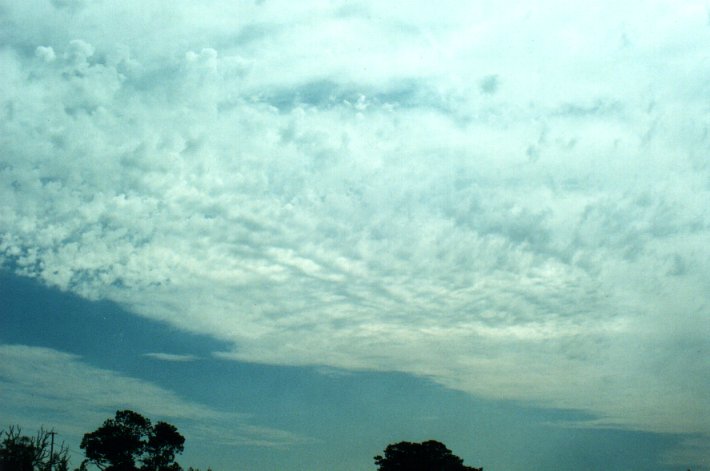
[[426, 456], [129, 442]]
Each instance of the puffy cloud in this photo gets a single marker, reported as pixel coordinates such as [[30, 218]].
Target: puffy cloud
[[510, 202], [45, 53]]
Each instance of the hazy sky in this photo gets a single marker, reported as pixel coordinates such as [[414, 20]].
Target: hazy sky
[[303, 230]]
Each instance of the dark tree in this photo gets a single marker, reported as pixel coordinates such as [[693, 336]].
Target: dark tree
[[22, 453], [164, 442], [426, 456], [129, 440]]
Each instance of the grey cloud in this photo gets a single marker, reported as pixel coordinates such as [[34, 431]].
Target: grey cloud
[[323, 94], [72, 5], [489, 84], [250, 33], [598, 108]]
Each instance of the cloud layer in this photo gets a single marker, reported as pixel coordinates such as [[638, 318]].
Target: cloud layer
[[511, 200]]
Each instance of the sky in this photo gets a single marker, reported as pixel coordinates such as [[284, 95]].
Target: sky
[[301, 231]]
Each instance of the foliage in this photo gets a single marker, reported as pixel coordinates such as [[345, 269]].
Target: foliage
[[22, 453], [426, 456], [129, 439]]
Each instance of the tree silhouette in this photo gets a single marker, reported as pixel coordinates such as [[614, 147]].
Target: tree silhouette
[[163, 443], [22, 453], [129, 438], [426, 456]]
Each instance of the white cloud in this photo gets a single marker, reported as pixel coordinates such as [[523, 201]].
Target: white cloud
[[331, 186], [170, 357], [45, 53], [41, 385], [39, 379]]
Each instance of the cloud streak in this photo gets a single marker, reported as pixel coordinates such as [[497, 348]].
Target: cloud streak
[[39, 381], [170, 357], [370, 187]]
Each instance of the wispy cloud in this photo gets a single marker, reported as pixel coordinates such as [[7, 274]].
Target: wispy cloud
[[510, 202], [171, 357], [42, 386]]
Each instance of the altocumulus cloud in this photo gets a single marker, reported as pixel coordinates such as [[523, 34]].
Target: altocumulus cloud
[[510, 201]]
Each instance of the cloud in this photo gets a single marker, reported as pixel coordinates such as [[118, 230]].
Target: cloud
[[171, 357], [489, 84], [38, 379], [41, 385], [45, 53], [329, 186]]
